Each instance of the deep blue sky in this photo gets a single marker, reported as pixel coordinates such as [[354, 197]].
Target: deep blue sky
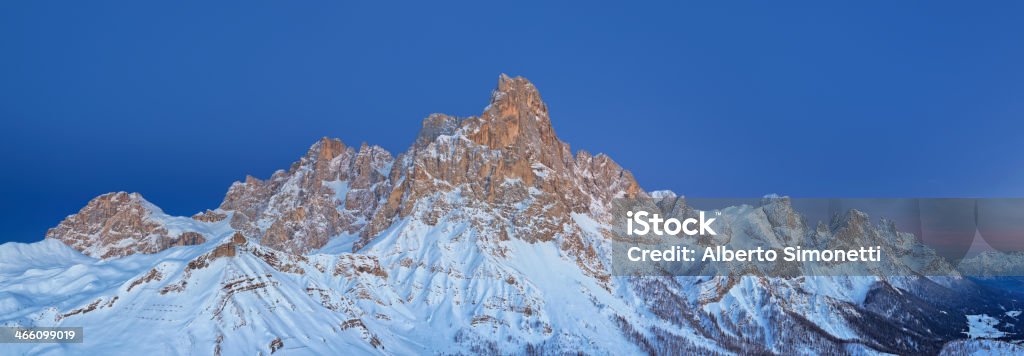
[[719, 99]]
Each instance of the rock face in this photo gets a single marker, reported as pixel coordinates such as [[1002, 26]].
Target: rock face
[[331, 191], [508, 158], [120, 224]]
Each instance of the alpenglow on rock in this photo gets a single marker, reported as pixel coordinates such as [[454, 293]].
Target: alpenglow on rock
[[332, 190], [119, 224], [508, 158]]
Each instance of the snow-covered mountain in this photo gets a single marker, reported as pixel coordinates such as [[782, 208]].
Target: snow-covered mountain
[[488, 235]]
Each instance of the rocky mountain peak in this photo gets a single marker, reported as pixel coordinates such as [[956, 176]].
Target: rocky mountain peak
[[119, 224], [328, 192], [325, 149], [779, 211], [516, 91], [516, 116], [851, 219]]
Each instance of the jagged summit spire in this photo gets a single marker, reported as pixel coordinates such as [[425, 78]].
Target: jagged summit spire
[[325, 148], [513, 85], [517, 92], [515, 114]]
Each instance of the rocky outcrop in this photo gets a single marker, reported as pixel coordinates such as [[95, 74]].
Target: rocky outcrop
[[119, 224], [331, 191], [187, 238], [210, 216]]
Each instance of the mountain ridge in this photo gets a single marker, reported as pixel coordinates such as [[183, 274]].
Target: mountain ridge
[[512, 134], [487, 235]]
